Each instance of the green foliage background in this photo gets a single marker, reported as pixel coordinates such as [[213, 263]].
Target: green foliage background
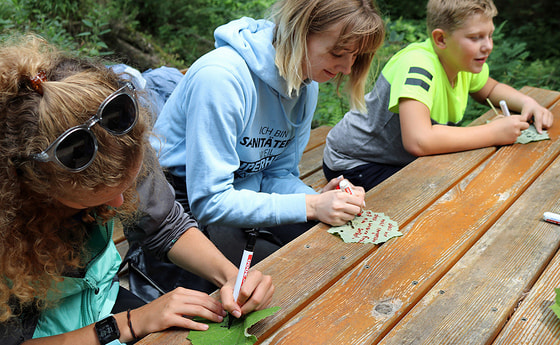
[[150, 33]]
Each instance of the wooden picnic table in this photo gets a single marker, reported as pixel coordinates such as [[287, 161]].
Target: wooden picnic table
[[476, 263]]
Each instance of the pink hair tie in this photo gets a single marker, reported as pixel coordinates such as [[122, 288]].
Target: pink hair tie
[[37, 80]]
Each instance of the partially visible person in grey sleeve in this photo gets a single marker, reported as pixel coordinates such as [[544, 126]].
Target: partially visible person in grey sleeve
[[162, 220]]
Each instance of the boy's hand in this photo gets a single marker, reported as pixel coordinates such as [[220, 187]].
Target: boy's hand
[[542, 117], [507, 128]]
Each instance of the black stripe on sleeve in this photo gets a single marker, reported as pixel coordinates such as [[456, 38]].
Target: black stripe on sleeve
[[418, 82], [421, 71]]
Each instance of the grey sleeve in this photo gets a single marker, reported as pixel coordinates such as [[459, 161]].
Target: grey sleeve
[[161, 220]]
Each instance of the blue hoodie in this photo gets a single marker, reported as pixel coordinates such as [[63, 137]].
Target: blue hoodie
[[234, 133]]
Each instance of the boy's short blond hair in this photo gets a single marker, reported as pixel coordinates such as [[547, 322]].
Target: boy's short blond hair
[[450, 15]]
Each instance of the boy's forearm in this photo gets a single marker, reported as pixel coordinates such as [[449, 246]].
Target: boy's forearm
[[421, 138], [514, 98], [447, 139]]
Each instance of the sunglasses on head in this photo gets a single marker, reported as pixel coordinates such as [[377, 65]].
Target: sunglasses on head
[[76, 148]]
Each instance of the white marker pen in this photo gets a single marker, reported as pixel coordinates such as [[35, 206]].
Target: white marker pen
[[504, 107], [344, 185], [552, 217], [243, 268], [244, 264]]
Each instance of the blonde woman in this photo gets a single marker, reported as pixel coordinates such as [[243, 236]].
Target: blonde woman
[[232, 133]]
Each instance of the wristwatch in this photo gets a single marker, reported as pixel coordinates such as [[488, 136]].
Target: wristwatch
[[107, 330]]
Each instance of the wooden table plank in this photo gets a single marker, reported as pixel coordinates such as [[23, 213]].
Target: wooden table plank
[[481, 291], [305, 269], [316, 180], [312, 160], [545, 97], [312, 163], [534, 322], [173, 336], [318, 137], [373, 296], [324, 257]]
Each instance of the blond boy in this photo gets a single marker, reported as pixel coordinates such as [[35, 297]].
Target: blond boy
[[422, 94]]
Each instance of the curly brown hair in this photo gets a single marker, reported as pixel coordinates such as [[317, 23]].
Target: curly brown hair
[[39, 241]]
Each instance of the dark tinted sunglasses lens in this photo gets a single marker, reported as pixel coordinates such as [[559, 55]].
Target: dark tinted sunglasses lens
[[119, 114], [76, 150]]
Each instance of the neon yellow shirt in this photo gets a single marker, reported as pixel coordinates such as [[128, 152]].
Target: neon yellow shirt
[[416, 72], [375, 137]]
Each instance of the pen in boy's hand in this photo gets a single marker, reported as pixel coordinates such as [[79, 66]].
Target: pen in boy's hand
[[492, 106], [504, 107], [244, 266]]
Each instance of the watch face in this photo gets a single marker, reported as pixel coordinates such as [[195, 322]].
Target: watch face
[[107, 330]]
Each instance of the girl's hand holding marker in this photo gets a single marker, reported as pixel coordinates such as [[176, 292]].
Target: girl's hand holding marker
[[344, 185]]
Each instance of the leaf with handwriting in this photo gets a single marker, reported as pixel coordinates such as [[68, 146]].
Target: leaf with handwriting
[[369, 227], [220, 334], [531, 134]]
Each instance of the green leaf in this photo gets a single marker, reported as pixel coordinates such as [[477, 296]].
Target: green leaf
[[556, 306], [87, 23], [530, 134], [220, 334], [369, 227]]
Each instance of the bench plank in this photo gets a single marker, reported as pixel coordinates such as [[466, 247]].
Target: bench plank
[[385, 280], [118, 234]]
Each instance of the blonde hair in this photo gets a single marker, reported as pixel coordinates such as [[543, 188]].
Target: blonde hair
[[296, 20], [449, 15], [38, 240]]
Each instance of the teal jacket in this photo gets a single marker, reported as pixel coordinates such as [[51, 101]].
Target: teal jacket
[[88, 297]]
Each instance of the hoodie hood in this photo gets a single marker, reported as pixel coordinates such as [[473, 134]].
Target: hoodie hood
[[252, 40]]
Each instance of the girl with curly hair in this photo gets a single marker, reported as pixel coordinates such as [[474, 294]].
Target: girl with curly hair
[[73, 143]]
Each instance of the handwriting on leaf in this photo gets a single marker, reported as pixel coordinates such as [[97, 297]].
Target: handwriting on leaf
[[369, 227], [531, 134]]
